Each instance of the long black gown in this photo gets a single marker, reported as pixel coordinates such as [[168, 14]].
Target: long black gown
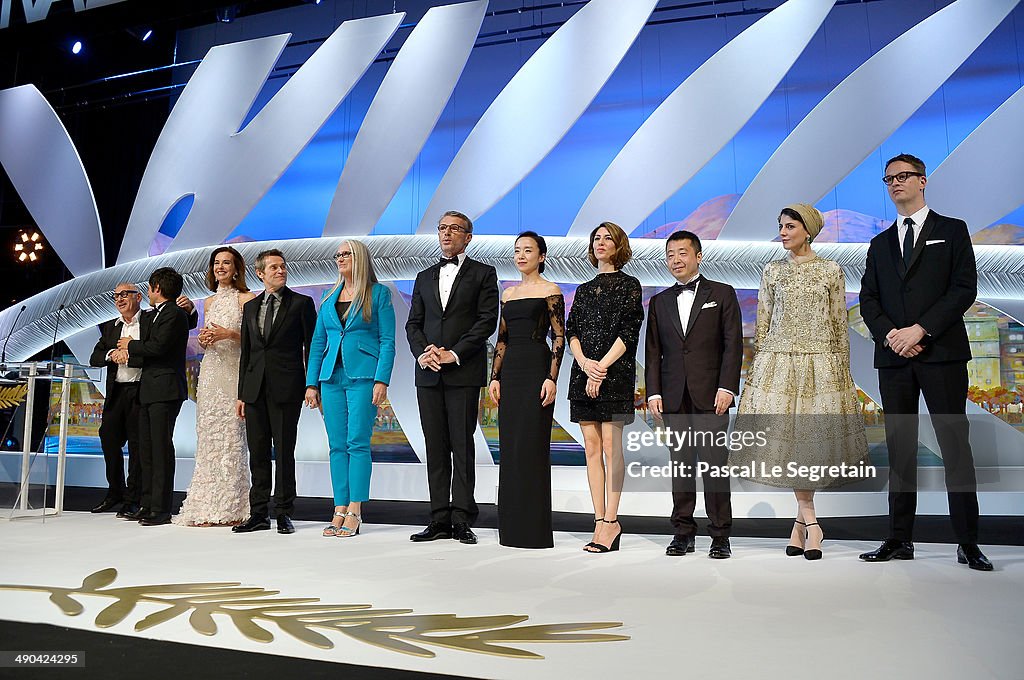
[[522, 362]]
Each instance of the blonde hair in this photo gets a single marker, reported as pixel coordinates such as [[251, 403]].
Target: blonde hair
[[363, 278]]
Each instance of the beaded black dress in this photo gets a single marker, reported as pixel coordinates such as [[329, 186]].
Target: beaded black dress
[[606, 308], [522, 362]]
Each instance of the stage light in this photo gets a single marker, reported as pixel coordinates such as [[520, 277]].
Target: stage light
[[28, 246], [226, 15], [76, 47], [140, 33]]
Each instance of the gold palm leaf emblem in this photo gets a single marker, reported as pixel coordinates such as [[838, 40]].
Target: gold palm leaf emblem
[[13, 395]]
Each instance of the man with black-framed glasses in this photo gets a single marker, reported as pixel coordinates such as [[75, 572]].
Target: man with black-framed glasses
[[919, 280]]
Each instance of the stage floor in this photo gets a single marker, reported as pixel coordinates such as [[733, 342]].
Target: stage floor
[[759, 614]]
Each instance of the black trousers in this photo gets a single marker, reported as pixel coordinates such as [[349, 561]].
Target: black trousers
[[271, 426], [120, 424], [448, 416], [717, 497], [156, 432], [944, 386]]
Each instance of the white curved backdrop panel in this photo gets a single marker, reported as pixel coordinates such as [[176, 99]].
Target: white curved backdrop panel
[[43, 164], [891, 85], [692, 124], [538, 107], [404, 111]]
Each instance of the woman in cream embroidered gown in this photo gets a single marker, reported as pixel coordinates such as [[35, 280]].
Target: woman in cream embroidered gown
[[219, 492], [798, 388]]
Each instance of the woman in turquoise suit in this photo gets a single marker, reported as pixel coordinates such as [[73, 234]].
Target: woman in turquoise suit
[[350, 362]]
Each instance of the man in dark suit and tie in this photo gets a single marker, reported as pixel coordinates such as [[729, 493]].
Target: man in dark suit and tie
[[454, 311], [919, 280], [161, 349], [694, 350], [277, 327]]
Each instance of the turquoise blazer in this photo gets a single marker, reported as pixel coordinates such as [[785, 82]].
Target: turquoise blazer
[[367, 349]]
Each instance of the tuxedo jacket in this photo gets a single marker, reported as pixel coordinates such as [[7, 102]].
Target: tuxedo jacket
[[463, 327], [280, 360], [160, 352], [935, 291], [708, 356], [110, 334]]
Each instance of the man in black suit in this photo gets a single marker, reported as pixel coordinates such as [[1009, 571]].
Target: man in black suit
[[162, 388], [121, 405], [454, 311], [277, 327], [694, 349], [919, 280]]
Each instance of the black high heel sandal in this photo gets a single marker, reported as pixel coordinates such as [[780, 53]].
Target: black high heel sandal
[[793, 550], [814, 554], [592, 544], [615, 543]]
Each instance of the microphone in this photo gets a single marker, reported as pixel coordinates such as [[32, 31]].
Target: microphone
[[3, 354]]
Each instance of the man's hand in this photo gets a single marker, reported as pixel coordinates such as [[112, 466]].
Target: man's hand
[[655, 406], [445, 356], [240, 409], [429, 359], [912, 352], [723, 400], [123, 343], [380, 393], [903, 339], [185, 303], [119, 356]]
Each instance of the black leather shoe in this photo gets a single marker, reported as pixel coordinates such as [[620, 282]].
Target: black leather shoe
[[107, 505], [254, 523], [679, 546], [136, 514], [971, 555], [284, 525], [128, 508], [434, 531], [720, 548], [891, 549], [463, 534], [155, 519]]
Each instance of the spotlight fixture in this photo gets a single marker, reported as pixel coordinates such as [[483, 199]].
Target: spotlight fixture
[[76, 47], [227, 14], [140, 33], [28, 246]]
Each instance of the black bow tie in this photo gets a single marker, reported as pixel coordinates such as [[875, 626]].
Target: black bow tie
[[450, 260], [691, 286]]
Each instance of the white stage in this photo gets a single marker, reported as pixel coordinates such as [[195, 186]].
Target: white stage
[[759, 614]]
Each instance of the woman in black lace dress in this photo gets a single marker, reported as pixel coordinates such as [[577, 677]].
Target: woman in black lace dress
[[603, 330], [523, 380]]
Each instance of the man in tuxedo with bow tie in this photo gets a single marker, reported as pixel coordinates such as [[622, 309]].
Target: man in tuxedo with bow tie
[[694, 349], [919, 280], [454, 310], [277, 328]]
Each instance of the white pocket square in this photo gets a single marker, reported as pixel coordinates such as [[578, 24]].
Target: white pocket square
[[931, 243], [709, 304]]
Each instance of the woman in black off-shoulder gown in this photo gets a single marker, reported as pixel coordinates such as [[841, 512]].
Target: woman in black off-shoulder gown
[[524, 375]]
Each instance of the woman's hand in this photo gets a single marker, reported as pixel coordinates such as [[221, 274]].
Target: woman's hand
[[593, 387], [312, 397], [494, 389], [547, 392], [380, 393], [215, 333], [594, 370]]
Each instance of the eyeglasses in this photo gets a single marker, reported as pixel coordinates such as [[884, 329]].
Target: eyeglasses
[[343, 255], [125, 294], [901, 177], [452, 228]]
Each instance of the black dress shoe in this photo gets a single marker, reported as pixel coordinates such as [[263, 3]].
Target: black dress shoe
[[434, 531], [155, 519], [254, 523], [107, 505], [891, 549], [284, 525], [137, 514], [128, 508], [463, 534], [971, 555], [720, 548], [679, 546]]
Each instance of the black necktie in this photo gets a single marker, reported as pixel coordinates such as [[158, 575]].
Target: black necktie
[[450, 260], [908, 241], [691, 286], [268, 318]]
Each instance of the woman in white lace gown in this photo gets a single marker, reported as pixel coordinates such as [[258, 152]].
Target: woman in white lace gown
[[219, 492]]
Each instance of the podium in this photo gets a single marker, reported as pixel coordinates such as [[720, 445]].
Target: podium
[[31, 375]]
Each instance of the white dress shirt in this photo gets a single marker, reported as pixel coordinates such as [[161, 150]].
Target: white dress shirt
[[446, 279], [129, 329], [919, 217]]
